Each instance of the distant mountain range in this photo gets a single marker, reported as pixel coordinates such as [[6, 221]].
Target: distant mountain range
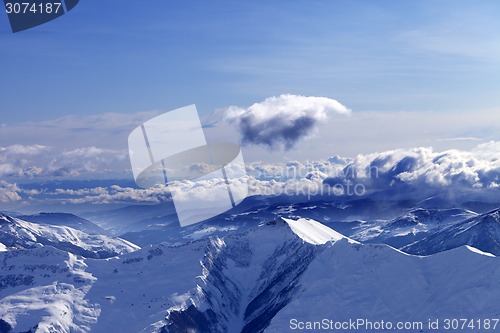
[[355, 217], [408, 227], [481, 232]]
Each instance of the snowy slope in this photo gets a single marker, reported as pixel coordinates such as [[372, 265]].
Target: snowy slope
[[410, 226], [136, 290], [374, 282], [242, 277], [61, 292], [313, 232], [258, 281], [66, 220], [18, 234], [45, 288], [253, 281]]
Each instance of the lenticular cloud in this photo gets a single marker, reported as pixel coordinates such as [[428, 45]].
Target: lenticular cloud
[[282, 120]]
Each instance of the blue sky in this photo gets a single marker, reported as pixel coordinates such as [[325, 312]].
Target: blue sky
[[132, 56], [413, 73]]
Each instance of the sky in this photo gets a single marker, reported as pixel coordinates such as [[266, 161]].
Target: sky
[[127, 56], [364, 76]]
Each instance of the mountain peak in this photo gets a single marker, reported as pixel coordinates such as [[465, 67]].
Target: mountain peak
[[474, 250], [314, 232]]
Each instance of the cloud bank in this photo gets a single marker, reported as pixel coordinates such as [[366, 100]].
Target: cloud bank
[[282, 120], [421, 167], [415, 174]]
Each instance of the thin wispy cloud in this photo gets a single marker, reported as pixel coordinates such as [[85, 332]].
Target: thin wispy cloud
[[109, 130], [464, 33], [21, 161]]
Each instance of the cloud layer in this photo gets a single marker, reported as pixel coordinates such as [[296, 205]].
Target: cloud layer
[[400, 174], [282, 120]]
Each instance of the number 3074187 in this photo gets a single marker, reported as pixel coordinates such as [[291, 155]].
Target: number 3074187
[[33, 8]]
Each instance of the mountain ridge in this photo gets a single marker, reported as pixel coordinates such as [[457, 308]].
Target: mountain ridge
[[16, 233]]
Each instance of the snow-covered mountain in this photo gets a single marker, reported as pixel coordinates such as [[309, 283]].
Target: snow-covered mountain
[[18, 234], [481, 232], [65, 219], [258, 281], [133, 218], [369, 219], [254, 281], [409, 227], [151, 224]]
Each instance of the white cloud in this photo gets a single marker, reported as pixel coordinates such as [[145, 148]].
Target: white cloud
[[418, 171], [9, 192], [423, 169], [83, 191], [282, 120]]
